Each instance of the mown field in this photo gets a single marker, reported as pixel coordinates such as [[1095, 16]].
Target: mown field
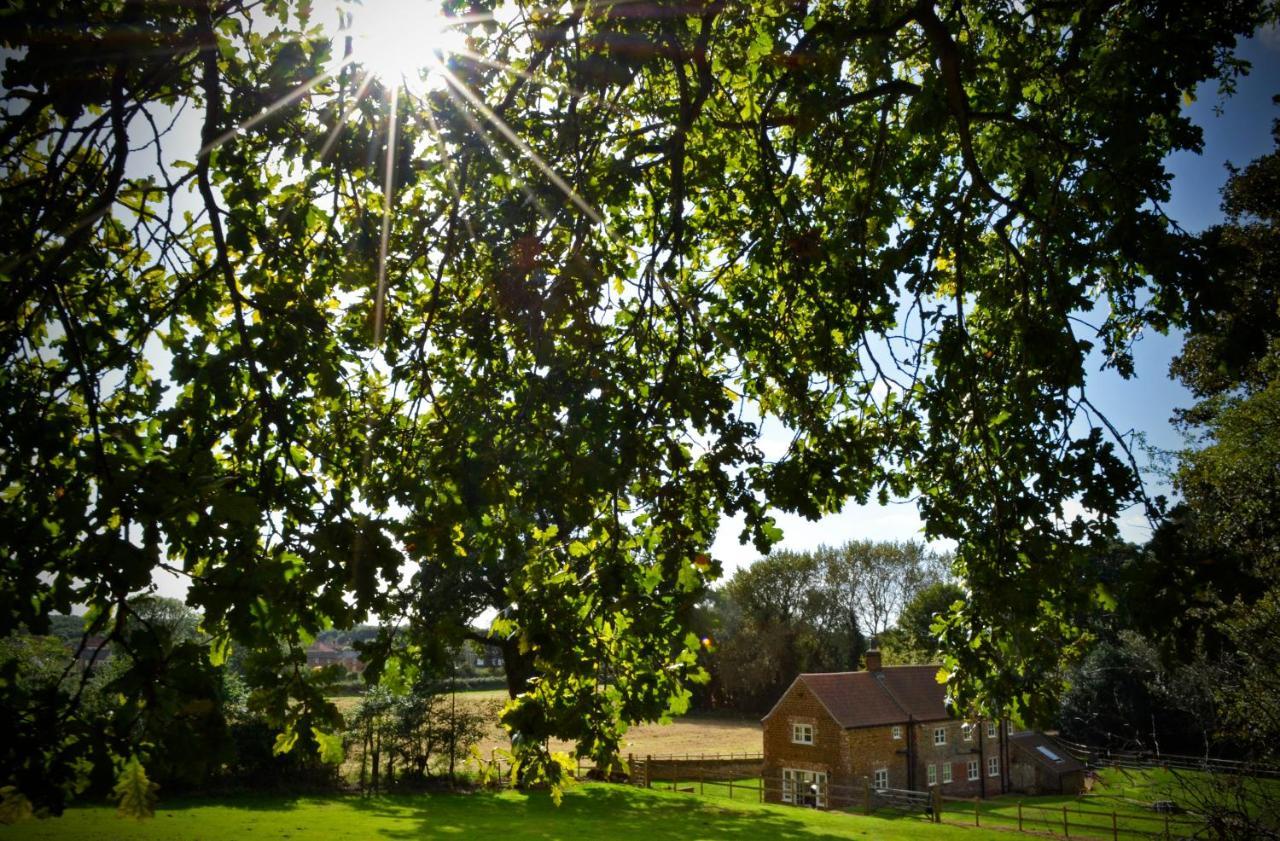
[[691, 734], [588, 811]]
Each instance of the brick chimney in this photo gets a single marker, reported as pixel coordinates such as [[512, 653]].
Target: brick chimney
[[873, 660]]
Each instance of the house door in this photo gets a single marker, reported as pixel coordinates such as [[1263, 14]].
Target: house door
[[804, 788]]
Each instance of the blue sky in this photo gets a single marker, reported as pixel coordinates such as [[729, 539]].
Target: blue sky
[[1144, 404]]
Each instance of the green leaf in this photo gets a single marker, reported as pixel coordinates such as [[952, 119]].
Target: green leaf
[[135, 794], [329, 747], [285, 740]]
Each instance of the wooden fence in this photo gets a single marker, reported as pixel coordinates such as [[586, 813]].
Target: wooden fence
[[1097, 757], [1068, 820]]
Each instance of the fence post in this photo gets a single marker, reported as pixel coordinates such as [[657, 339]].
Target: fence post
[[1066, 825], [937, 805], [1166, 825], [977, 818], [760, 789], [578, 773], [866, 795], [1115, 828], [648, 770], [1019, 815], [701, 776], [631, 768], [731, 788]]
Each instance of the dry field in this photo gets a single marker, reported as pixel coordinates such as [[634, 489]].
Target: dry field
[[691, 734]]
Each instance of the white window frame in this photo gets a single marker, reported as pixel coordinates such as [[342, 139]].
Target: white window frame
[[974, 771], [993, 766], [966, 730], [933, 774], [801, 734], [793, 779], [897, 732], [946, 773], [880, 779], [991, 729], [939, 735]]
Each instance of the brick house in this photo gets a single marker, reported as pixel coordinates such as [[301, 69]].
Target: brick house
[[830, 735]]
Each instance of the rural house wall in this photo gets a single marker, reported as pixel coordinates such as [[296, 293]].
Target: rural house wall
[[958, 753], [872, 748], [828, 753]]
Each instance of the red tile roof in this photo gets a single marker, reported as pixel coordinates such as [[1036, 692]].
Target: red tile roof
[[890, 696]]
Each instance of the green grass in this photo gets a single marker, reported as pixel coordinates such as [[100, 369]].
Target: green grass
[[1127, 794], [593, 811], [746, 789]]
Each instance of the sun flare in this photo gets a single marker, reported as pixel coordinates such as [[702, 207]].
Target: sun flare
[[402, 42]]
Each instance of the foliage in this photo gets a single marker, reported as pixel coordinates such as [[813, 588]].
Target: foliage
[[873, 223], [14, 806], [137, 794], [1228, 526], [1186, 659], [922, 616], [423, 732]]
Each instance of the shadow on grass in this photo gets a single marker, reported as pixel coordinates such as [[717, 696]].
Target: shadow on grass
[[593, 811]]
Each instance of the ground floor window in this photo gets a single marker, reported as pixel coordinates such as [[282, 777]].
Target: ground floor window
[[881, 779], [946, 772], [804, 788], [973, 769], [993, 766], [933, 774]]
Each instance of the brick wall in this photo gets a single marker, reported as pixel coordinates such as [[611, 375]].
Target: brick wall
[[958, 753], [829, 751]]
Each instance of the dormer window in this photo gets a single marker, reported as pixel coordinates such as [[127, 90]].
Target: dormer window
[[802, 734]]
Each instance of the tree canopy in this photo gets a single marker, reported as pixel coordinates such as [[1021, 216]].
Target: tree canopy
[[508, 339]]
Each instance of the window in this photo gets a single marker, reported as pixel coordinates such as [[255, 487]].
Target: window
[[973, 769], [1048, 754], [881, 779], [933, 774], [939, 735], [993, 766], [946, 772], [897, 732], [966, 730], [802, 734], [805, 788], [991, 729]]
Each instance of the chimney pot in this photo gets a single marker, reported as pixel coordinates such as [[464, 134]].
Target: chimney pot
[[873, 660]]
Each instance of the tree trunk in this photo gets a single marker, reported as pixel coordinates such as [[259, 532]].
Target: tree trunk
[[518, 667]]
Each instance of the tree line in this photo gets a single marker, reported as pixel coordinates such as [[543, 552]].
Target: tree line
[[819, 611]]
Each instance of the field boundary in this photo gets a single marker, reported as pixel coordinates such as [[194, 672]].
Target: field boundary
[[1098, 757]]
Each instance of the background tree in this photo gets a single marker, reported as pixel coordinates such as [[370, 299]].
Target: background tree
[[913, 638], [872, 222], [794, 612], [1185, 660]]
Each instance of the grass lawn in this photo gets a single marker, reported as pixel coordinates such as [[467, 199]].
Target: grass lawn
[[1127, 794], [593, 811]]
